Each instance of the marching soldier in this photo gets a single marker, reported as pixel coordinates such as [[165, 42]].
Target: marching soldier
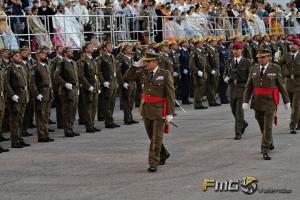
[[174, 56], [236, 75], [17, 98], [157, 107], [55, 62], [29, 111], [68, 89], [41, 87], [213, 73], [109, 75], [264, 85], [164, 60], [291, 63], [128, 88], [89, 88], [198, 65], [2, 105]]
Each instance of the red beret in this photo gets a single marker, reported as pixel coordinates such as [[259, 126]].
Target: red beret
[[295, 42], [237, 45]]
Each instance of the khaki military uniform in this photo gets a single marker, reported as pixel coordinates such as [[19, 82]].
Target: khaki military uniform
[[66, 72], [198, 63], [174, 56], [212, 82], [160, 85], [238, 74], [165, 62], [5, 121], [109, 74], [138, 93], [128, 95], [255, 47], [55, 62], [88, 76], [41, 84], [264, 105], [292, 75], [100, 107], [16, 84]]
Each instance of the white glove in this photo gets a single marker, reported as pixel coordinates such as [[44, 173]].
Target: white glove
[[185, 71], [277, 55], [169, 118], [175, 74], [125, 85], [68, 86], [39, 97], [106, 84], [91, 89], [200, 74], [213, 72], [226, 79], [15, 98], [245, 106], [99, 91], [287, 106], [139, 63]]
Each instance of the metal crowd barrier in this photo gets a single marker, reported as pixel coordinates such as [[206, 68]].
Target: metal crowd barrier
[[121, 28]]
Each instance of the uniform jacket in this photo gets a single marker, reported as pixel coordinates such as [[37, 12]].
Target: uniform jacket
[[198, 62]]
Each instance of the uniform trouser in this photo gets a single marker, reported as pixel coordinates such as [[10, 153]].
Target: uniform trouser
[[109, 104], [28, 115], [69, 110], [177, 88], [238, 114], [211, 86], [199, 90], [59, 111], [100, 107], [5, 121], [295, 102], [265, 122], [157, 150], [81, 108], [42, 113], [185, 87], [16, 115], [138, 93], [1, 118], [222, 91], [89, 103], [128, 100]]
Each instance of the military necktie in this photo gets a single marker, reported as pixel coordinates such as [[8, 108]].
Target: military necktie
[[294, 56], [236, 63], [152, 73], [262, 70]]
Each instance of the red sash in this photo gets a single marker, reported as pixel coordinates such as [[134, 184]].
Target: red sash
[[270, 91], [153, 99]]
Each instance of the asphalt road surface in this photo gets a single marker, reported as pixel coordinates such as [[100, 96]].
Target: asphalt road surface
[[111, 164]]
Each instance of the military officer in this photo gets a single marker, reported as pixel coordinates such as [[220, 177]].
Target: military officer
[[29, 111], [164, 60], [157, 107], [224, 54], [58, 105], [255, 47], [89, 88], [291, 64], [264, 85], [128, 88], [68, 89], [2, 104], [198, 65], [110, 85], [247, 52], [236, 75], [213, 72], [138, 54], [17, 98], [41, 88]]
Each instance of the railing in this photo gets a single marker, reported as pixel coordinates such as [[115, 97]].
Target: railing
[[67, 30]]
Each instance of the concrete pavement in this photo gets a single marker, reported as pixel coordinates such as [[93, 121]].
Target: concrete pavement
[[111, 164]]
